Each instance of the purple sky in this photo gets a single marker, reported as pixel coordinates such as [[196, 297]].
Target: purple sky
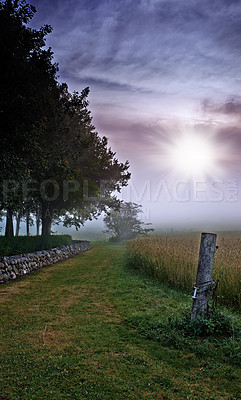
[[160, 72]]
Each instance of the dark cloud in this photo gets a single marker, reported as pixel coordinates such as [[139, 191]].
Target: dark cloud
[[231, 107]]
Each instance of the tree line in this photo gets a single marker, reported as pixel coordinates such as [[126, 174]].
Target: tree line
[[54, 166]]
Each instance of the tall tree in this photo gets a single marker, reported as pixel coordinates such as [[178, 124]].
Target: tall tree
[[36, 114], [27, 77]]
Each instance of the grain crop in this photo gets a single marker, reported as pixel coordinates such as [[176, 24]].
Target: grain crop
[[174, 258]]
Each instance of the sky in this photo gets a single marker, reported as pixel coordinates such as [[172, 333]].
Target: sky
[[165, 81]]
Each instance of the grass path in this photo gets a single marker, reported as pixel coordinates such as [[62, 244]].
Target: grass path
[[64, 335]]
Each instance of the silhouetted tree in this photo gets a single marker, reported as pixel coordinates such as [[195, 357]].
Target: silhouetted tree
[[125, 223], [27, 77], [47, 134]]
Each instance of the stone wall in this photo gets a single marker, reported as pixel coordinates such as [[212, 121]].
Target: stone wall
[[14, 267]]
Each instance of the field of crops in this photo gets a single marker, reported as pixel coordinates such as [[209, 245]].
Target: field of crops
[[174, 258]]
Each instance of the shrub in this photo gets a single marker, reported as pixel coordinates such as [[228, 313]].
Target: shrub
[[28, 244]]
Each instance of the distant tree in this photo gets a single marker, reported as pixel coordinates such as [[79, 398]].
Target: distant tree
[[125, 223]]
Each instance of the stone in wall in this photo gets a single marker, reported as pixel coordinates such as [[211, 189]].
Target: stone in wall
[[14, 267]]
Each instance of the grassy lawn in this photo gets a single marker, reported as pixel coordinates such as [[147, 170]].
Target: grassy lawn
[[74, 331]]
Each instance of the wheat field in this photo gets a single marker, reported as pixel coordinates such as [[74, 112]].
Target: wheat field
[[174, 258]]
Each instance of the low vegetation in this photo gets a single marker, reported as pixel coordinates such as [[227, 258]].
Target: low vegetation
[[91, 328], [28, 244], [174, 258]]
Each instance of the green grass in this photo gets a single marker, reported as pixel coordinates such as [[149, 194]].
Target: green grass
[[28, 244], [90, 328]]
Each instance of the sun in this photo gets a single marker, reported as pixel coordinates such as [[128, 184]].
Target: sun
[[192, 155]]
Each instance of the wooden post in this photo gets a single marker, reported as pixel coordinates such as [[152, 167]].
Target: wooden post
[[204, 281]]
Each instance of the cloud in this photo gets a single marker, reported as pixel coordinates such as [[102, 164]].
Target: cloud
[[231, 107], [107, 84], [181, 45], [146, 142], [231, 135], [135, 54]]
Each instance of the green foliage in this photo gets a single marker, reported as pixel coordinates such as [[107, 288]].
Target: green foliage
[[28, 244], [216, 324]]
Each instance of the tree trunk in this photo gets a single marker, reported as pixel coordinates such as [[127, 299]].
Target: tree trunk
[[9, 224], [27, 220], [37, 225], [204, 281], [46, 219], [18, 221]]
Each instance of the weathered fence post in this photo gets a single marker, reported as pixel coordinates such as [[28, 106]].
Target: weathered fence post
[[204, 281]]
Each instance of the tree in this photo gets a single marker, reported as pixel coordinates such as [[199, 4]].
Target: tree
[[27, 77], [37, 113], [125, 223], [81, 169]]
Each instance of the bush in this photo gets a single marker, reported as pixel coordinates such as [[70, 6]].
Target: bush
[[28, 244]]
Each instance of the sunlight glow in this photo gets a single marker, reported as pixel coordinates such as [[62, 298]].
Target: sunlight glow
[[192, 155]]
